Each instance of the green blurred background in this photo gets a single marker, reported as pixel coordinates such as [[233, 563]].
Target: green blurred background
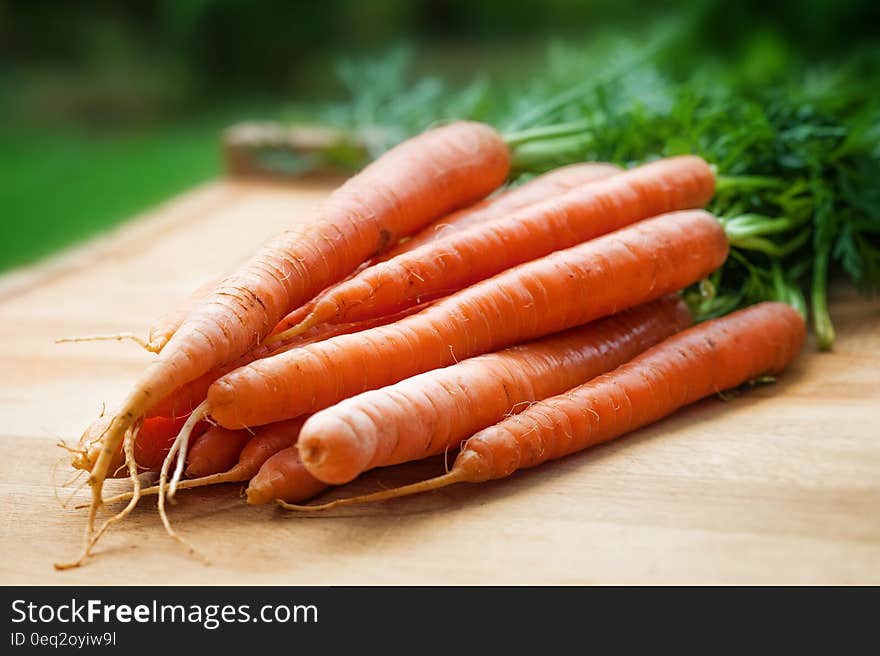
[[108, 108]]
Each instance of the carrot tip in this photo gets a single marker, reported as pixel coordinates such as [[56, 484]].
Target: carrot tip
[[231, 476], [93, 536], [148, 346], [294, 331], [304, 508], [454, 476]]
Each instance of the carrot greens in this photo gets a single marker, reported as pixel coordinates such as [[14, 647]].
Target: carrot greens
[[796, 149]]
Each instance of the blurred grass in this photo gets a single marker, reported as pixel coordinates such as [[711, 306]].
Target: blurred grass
[[62, 185]]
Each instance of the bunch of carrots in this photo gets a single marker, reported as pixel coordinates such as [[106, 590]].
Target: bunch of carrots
[[425, 309]]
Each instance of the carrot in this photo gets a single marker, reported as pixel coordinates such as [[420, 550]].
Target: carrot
[[186, 398], [283, 476], [549, 185], [450, 264], [568, 288], [217, 450], [704, 360], [266, 442], [434, 411], [408, 187]]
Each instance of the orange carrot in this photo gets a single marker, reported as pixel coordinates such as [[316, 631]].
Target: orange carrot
[[453, 263], [185, 399], [283, 476], [215, 451], [549, 185], [704, 360], [408, 187], [434, 411], [568, 288]]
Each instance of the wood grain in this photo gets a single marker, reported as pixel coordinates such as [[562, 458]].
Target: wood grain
[[780, 485]]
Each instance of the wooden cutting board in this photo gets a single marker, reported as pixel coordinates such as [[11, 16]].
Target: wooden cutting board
[[779, 485]]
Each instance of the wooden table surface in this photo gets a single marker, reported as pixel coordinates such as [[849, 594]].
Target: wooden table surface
[[779, 485]]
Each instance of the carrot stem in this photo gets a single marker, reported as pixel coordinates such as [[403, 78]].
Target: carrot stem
[[520, 137], [550, 152], [764, 245], [725, 183], [751, 225], [819, 295]]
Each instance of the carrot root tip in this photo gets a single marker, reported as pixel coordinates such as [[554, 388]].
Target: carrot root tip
[[231, 476], [181, 447], [118, 337], [454, 476], [294, 331], [178, 449], [92, 536]]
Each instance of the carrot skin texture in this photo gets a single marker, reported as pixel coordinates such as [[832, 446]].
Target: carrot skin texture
[[635, 265], [447, 265], [185, 399], [434, 411], [704, 360], [283, 476], [268, 441], [544, 186], [216, 450]]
